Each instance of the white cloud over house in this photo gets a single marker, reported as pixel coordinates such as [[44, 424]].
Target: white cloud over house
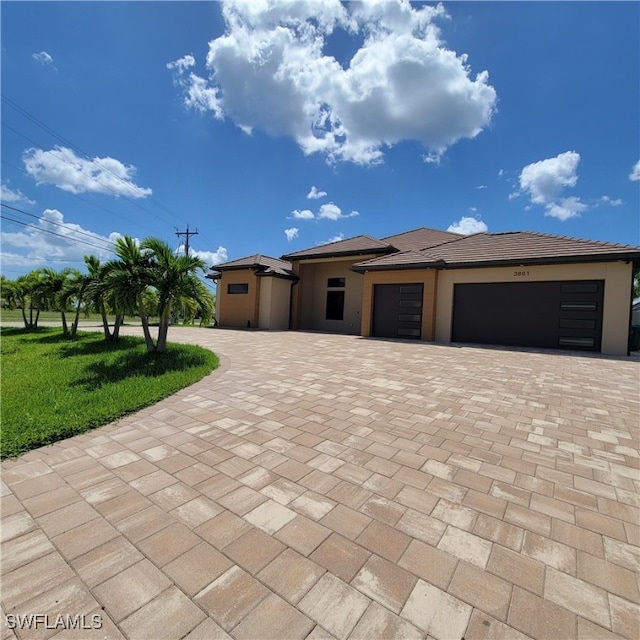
[[635, 172], [331, 211], [271, 71], [64, 169], [209, 257], [468, 226], [545, 181]]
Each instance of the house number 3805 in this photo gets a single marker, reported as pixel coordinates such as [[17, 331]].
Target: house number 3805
[[521, 273]]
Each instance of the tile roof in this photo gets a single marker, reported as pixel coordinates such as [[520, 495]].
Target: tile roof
[[422, 238], [264, 265], [518, 247], [350, 247]]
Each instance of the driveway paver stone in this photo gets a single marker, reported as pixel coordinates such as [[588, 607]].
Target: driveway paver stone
[[328, 486]]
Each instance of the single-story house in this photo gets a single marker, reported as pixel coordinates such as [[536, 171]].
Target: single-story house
[[516, 288]]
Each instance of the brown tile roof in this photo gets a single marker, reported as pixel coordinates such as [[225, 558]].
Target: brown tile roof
[[357, 245], [422, 238], [518, 247], [264, 265]]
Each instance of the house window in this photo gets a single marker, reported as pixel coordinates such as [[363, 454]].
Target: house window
[[335, 305], [335, 282], [238, 288]]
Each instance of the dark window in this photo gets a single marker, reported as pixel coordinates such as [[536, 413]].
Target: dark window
[[335, 305], [238, 288], [335, 282], [576, 342], [578, 306]]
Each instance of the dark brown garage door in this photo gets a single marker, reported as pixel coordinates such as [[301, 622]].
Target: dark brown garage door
[[397, 311], [557, 315]]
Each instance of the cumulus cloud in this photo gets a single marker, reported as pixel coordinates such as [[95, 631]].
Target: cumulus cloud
[[67, 171], [13, 195], [635, 172], [331, 211], [43, 58], [316, 194], [544, 182], [467, 226], [305, 214], [37, 245], [271, 71], [210, 257], [291, 233]]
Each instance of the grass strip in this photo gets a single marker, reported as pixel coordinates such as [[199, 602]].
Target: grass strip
[[53, 388]]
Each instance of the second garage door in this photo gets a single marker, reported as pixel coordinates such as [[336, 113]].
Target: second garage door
[[530, 314]]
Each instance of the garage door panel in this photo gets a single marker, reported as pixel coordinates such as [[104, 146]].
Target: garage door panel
[[397, 311], [533, 314]]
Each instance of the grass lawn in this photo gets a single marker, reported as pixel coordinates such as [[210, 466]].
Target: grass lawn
[[53, 388]]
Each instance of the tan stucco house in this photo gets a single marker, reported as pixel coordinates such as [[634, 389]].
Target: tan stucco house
[[516, 288]]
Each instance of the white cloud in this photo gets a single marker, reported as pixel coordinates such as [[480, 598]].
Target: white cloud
[[182, 64], [467, 226], [305, 214], [337, 238], [316, 194], [43, 58], [36, 246], [635, 172], [291, 233], [270, 71], [67, 171], [545, 180], [210, 257], [13, 195], [481, 186], [331, 211], [611, 201], [565, 208]]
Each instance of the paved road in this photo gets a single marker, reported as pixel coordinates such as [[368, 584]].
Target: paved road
[[321, 486]]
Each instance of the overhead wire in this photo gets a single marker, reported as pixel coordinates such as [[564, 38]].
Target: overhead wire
[[26, 114]]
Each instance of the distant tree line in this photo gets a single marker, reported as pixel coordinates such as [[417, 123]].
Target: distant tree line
[[147, 279]]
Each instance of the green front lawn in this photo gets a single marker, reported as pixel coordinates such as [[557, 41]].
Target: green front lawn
[[53, 388]]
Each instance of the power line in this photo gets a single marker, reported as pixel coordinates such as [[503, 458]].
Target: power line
[[26, 114], [109, 245], [186, 233], [59, 235]]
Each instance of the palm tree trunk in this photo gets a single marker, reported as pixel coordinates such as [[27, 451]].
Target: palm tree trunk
[[65, 328], [144, 319], [163, 329]]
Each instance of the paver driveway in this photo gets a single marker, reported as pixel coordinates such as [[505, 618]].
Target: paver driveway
[[324, 486]]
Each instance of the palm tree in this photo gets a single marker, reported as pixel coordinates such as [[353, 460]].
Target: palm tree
[[128, 278], [55, 290], [101, 296], [174, 277], [24, 289]]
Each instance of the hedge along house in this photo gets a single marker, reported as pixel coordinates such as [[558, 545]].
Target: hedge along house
[[516, 288]]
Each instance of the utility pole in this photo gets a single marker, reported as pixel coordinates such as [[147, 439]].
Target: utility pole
[[187, 233]]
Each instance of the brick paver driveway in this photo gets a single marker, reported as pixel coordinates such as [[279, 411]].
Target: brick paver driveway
[[324, 486]]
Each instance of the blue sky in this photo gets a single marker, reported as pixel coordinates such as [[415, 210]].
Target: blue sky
[[274, 126]]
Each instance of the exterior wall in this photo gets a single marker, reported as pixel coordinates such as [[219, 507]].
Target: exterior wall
[[235, 310], [310, 295], [274, 303], [617, 294], [428, 277]]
